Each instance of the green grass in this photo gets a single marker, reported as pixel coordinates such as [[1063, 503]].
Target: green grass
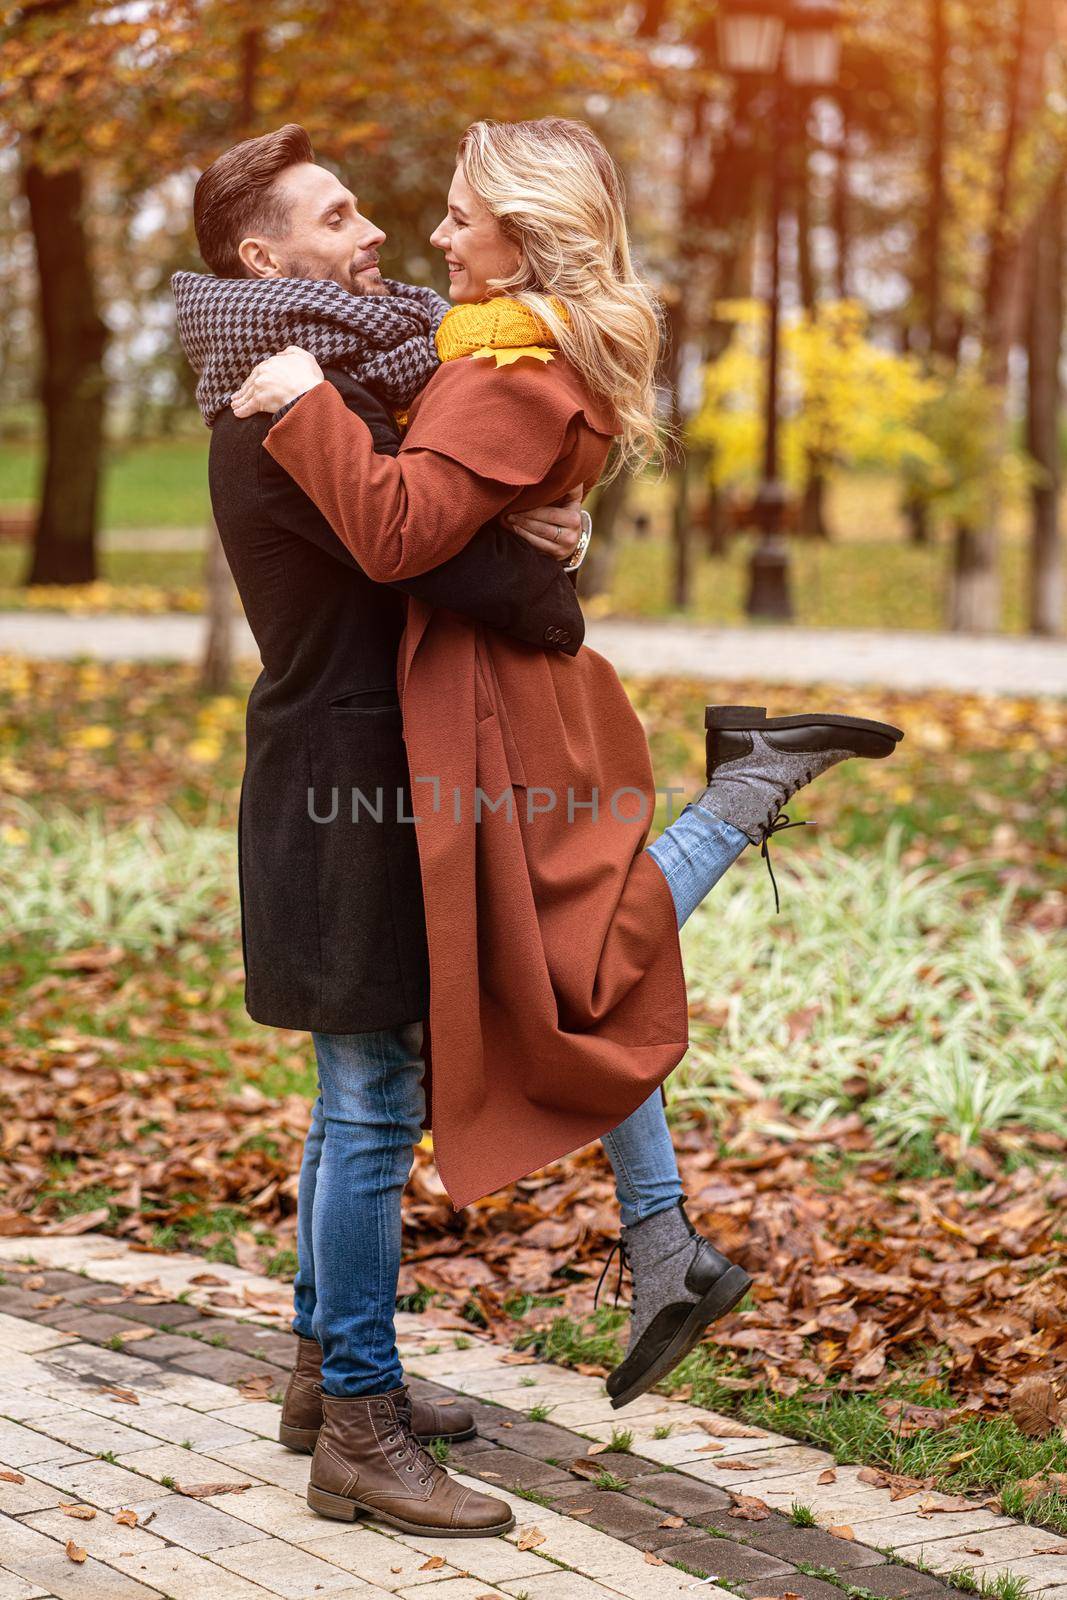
[[161, 485], [867, 576], [977, 1453], [969, 1009]]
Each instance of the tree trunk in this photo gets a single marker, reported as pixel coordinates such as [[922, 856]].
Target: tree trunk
[[916, 514], [1046, 575], [841, 213], [935, 196], [813, 519], [216, 669], [597, 572], [73, 339], [975, 595]]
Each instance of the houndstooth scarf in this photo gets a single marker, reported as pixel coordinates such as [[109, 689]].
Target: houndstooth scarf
[[226, 325]]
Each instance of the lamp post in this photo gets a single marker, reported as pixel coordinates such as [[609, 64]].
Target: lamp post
[[793, 43]]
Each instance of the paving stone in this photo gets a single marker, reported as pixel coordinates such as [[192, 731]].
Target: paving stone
[[97, 1327], [91, 1580], [24, 1447], [894, 1582], [269, 1461], [655, 1538], [284, 1570], [541, 1439], [579, 1414], [102, 1536], [29, 1495], [556, 1585], [1000, 1544], [372, 1555], [1041, 1572], [98, 1483], [186, 1389], [26, 1338], [621, 1515], [41, 1560], [180, 1424], [895, 1533], [816, 1546], [848, 1499], [722, 1558], [452, 1589], [249, 1339], [85, 1294], [508, 1468], [184, 1466], [163, 1347], [276, 1511], [195, 1525], [21, 1544], [677, 1492], [82, 1362], [58, 1280], [733, 1470], [15, 1588], [91, 1434], [171, 1314], [22, 1405], [741, 1529], [15, 1302], [259, 1417], [619, 1463], [798, 1583], [224, 1366], [181, 1576]]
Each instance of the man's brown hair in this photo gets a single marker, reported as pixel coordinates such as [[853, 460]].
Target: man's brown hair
[[236, 195]]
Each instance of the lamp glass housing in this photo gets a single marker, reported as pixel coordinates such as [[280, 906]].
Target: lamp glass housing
[[812, 56], [750, 40]]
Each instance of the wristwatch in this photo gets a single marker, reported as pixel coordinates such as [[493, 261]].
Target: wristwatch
[[583, 543]]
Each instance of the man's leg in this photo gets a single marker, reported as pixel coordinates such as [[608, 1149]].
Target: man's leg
[[372, 1109], [304, 1282]]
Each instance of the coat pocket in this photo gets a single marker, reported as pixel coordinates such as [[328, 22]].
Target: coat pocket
[[369, 885], [360, 700]]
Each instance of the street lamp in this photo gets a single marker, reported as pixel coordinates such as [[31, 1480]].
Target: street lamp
[[794, 43]]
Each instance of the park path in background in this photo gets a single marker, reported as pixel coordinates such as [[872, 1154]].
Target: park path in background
[[986, 664], [139, 1382]]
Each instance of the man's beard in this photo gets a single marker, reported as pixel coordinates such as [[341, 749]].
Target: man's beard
[[295, 268]]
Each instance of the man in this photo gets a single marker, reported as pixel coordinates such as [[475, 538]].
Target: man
[[332, 918]]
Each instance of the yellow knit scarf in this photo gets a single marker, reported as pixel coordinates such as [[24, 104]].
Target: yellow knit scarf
[[501, 329]]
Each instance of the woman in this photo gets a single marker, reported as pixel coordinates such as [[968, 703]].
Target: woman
[[558, 1003]]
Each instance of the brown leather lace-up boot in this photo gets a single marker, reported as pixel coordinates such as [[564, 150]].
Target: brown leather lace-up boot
[[302, 1408], [368, 1462]]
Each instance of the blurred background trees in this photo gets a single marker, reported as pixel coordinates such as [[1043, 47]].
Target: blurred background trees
[[919, 197]]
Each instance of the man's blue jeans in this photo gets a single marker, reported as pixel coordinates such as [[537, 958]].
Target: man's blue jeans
[[367, 1119]]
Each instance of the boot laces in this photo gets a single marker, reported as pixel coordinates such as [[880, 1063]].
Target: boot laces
[[400, 1433], [778, 824], [624, 1263]]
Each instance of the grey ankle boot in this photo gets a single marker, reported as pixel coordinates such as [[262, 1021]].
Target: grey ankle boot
[[756, 763], [681, 1283]]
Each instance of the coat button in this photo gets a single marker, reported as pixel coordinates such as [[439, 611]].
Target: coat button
[[556, 635]]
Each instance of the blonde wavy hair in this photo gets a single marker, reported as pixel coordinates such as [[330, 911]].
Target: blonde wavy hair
[[557, 194]]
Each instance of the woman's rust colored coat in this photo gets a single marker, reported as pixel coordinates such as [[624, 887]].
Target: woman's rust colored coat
[[558, 1000]]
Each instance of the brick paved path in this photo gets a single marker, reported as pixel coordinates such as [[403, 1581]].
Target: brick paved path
[[124, 1382]]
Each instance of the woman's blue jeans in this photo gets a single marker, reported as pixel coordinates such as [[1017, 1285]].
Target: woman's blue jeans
[[367, 1119]]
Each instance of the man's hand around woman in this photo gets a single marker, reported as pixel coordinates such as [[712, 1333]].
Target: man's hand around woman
[[554, 530]]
